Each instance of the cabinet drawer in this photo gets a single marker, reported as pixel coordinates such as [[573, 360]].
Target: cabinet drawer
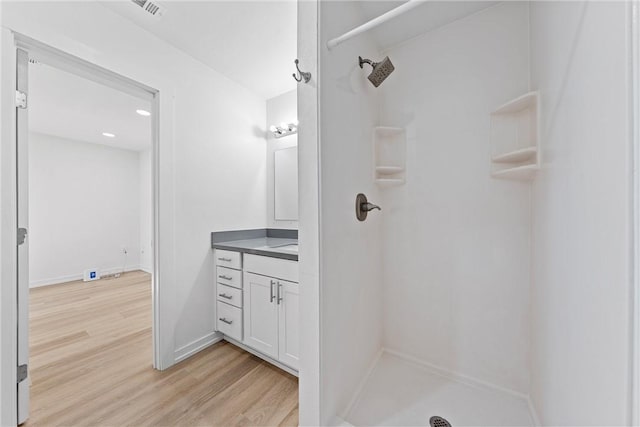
[[229, 259], [229, 295], [229, 320], [273, 267], [229, 277]]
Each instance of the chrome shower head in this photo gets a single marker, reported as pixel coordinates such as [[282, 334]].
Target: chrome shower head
[[381, 70]]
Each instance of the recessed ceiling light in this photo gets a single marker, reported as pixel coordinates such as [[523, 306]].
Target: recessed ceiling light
[[108, 135], [143, 113]]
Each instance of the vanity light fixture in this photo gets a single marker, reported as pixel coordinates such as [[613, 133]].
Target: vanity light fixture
[[143, 113], [108, 135], [284, 129]]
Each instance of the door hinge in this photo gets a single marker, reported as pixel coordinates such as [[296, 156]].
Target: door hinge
[[23, 372], [21, 99], [22, 235]]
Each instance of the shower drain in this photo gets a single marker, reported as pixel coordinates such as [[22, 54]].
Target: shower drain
[[436, 421]]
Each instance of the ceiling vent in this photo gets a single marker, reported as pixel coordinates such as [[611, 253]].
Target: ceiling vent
[[150, 7]]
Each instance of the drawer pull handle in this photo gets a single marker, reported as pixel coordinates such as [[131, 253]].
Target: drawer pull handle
[[225, 259], [271, 295], [226, 296], [279, 297], [222, 276], [224, 320]]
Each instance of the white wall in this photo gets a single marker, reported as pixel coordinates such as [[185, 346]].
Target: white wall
[[456, 241], [211, 153], [146, 211], [280, 109], [83, 209], [351, 270], [309, 381], [581, 214]]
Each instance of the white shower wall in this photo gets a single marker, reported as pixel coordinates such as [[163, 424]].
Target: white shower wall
[[456, 242], [351, 293], [580, 370]]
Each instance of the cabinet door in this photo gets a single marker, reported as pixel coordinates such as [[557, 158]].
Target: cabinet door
[[288, 324], [261, 314]]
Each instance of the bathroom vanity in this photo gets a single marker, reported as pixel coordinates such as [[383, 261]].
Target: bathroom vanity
[[256, 291]]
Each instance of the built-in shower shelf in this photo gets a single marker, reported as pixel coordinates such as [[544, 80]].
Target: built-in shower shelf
[[517, 156], [389, 170], [522, 173], [514, 138], [389, 147]]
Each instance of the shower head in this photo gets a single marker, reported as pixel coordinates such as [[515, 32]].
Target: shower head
[[381, 70]]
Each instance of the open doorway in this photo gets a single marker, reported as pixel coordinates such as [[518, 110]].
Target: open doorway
[[86, 200], [90, 255]]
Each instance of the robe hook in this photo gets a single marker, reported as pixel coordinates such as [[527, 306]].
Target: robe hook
[[302, 75]]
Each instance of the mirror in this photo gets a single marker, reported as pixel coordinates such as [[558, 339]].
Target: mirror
[[285, 164]]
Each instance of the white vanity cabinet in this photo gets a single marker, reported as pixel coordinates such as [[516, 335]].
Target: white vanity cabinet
[[228, 288], [271, 308]]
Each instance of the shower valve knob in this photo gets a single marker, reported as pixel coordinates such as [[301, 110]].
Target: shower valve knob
[[369, 207], [363, 207]]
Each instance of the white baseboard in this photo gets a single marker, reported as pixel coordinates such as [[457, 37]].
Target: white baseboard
[[80, 276], [146, 269], [193, 347]]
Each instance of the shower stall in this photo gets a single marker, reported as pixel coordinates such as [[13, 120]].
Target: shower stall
[[466, 299]]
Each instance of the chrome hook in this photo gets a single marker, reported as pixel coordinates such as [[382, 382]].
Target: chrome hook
[[302, 75]]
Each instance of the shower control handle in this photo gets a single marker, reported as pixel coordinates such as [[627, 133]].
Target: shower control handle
[[369, 207], [363, 207]]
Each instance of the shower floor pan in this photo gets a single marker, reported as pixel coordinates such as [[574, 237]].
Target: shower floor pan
[[403, 393]]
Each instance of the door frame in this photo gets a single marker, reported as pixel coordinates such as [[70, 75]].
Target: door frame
[[11, 41], [634, 294]]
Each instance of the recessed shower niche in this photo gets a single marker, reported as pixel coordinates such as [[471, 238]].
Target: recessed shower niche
[[390, 159]]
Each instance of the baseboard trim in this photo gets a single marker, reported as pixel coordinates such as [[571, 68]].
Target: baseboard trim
[[360, 387], [75, 277], [195, 346]]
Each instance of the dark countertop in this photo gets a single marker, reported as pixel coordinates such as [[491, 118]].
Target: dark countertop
[[258, 243]]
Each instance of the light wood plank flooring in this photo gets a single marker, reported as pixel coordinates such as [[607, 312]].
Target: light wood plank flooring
[[91, 365]]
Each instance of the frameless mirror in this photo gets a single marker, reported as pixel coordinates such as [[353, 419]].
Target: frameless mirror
[[285, 164]]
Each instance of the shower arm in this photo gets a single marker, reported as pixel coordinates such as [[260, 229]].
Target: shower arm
[[367, 61]]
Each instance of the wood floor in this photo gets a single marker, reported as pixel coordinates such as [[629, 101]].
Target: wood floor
[[91, 359]]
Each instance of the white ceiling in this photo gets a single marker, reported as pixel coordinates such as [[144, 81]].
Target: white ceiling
[[71, 107], [251, 42], [424, 18]]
